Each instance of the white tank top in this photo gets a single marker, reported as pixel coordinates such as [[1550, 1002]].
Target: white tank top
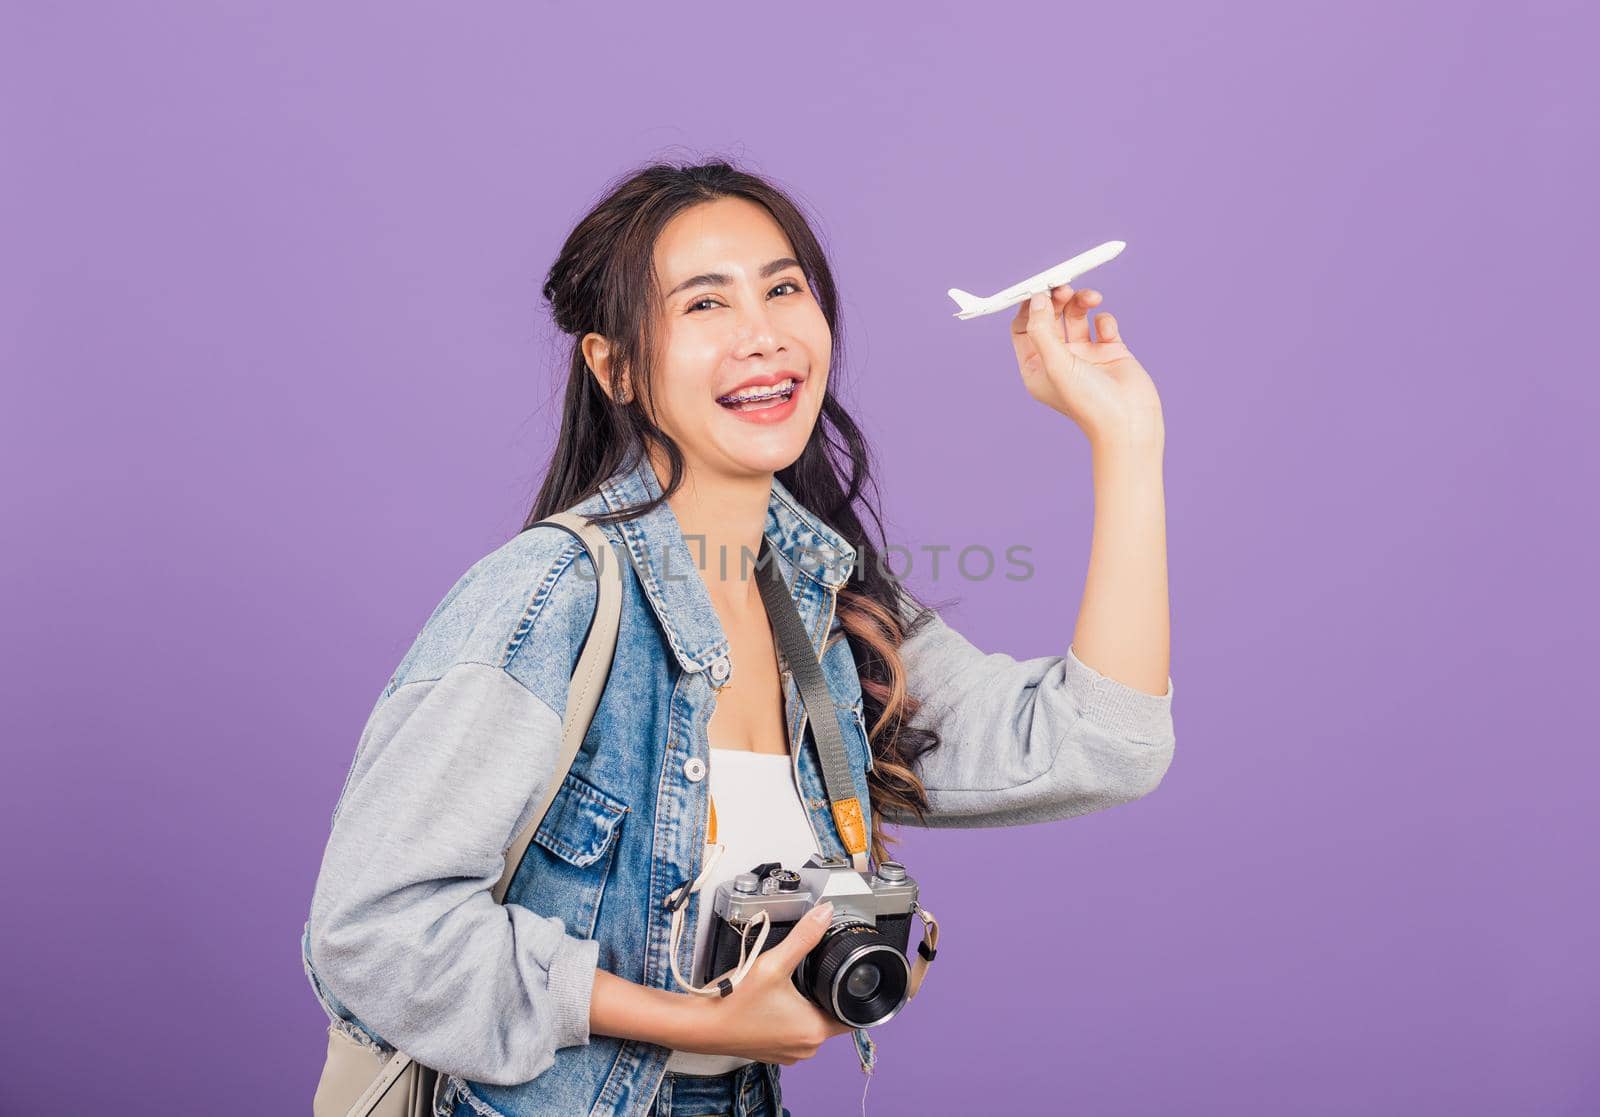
[[759, 819]]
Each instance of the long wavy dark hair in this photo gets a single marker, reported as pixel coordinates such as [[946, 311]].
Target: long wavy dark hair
[[604, 281]]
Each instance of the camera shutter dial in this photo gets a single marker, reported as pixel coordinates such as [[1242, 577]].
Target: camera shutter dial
[[781, 880]]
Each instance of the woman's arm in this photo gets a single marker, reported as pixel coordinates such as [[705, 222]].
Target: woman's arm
[[1033, 740], [1123, 628], [627, 1010], [1029, 740], [404, 927], [1055, 736]]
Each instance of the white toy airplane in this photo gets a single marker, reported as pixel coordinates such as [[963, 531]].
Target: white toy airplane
[[1065, 272]]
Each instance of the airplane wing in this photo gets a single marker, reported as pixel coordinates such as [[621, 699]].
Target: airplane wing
[[973, 306]]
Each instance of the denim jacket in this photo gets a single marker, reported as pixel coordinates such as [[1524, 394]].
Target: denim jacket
[[405, 946]]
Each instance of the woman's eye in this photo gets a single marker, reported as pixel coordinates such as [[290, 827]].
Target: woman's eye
[[712, 302]]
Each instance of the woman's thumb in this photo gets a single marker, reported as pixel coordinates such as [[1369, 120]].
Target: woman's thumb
[[806, 934]]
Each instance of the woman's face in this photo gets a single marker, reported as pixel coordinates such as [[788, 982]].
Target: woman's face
[[736, 307]]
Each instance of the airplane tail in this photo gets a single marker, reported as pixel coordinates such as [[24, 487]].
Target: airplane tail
[[964, 299]]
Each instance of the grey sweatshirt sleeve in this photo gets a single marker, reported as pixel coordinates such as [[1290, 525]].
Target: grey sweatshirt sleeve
[[404, 926], [1029, 740]]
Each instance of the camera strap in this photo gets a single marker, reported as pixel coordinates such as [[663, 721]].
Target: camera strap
[[678, 900], [926, 949], [800, 656]]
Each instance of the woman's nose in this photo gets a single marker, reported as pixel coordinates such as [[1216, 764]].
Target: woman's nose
[[757, 329]]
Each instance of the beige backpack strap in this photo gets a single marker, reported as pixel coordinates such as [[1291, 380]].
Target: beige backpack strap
[[588, 677]]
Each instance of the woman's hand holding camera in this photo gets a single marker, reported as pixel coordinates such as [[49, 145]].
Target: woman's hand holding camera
[[765, 1017]]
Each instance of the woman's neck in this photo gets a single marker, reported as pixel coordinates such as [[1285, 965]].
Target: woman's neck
[[722, 519]]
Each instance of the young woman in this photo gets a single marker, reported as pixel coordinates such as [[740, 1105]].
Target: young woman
[[699, 426]]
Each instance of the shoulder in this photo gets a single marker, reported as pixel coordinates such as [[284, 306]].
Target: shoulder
[[524, 607]]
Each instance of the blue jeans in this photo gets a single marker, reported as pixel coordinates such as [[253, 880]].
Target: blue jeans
[[750, 1091]]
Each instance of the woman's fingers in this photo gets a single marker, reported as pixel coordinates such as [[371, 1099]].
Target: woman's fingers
[[1044, 329], [1019, 320], [1077, 311]]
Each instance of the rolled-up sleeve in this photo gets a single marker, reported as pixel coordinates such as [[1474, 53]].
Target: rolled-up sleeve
[[404, 926], [1028, 740]]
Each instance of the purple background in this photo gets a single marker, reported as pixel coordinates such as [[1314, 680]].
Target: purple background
[[277, 371]]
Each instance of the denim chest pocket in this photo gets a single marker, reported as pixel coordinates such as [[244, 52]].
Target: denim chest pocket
[[578, 841]]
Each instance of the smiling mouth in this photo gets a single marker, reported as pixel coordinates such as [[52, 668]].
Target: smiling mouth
[[759, 401]]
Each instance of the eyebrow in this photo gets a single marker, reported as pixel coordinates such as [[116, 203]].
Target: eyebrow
[[717, 279]]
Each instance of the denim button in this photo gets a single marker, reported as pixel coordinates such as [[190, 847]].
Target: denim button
[[695, 769], [720, 668]]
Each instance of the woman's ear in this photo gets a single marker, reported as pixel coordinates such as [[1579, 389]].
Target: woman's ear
[[597, 355]]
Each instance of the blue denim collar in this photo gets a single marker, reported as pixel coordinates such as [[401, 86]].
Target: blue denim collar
[[671, 576]]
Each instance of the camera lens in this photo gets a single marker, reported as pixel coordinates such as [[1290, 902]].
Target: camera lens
[[855, 974], [862, 980]]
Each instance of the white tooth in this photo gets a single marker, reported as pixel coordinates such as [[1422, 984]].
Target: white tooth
[[754, 392]]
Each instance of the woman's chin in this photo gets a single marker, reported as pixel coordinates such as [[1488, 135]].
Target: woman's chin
[[767, 455], [760, 447]]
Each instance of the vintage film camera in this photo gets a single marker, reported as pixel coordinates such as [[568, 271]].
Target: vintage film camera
[[858, 972]]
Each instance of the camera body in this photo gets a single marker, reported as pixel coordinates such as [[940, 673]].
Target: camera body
[[858, 973]]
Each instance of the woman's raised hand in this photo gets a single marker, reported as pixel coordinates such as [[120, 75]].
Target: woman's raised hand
[[1096, 383]]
